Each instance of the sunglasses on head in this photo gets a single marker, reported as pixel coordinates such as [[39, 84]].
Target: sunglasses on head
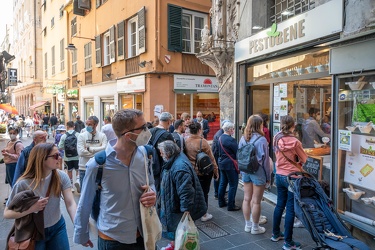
[[143, 127], [55, 156]]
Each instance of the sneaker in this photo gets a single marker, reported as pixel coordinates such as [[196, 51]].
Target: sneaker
[[298, 223], [276, 238], [78, 187], [73, 190], [262, 219], [247, 229], [206, 217], [292, 245], [170, 246], [259, 230]]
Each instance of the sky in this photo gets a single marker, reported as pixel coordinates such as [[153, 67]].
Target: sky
[[6, 16]]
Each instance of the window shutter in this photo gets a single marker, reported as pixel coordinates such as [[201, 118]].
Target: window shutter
[[85, 55], [84, 4], [120, 40], [76, 10], [112, 45], [174, 28], [98, 52], [142, 30]]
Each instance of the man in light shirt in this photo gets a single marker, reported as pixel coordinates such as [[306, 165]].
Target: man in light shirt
[[107, 129]]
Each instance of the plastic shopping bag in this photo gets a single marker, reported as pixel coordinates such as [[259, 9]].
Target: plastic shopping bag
[[187, 236]]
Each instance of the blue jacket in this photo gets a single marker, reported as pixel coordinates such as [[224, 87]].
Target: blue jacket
[[22, 162], [231, 147], [215, 144], [180, 191]]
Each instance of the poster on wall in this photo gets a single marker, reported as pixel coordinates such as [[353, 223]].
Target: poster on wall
[[276, 114], [276, 101], [360, 162], [276, 91], [158, 110], [301, 103], [276, 128], [283, 90], [345, 140], [283, 108]]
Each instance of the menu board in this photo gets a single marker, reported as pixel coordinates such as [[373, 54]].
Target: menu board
[[313, 166], [360, 162]]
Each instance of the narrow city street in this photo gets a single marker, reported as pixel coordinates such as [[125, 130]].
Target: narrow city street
[[224, 231]]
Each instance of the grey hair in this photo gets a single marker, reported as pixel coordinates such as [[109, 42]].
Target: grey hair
[[94, 119], [228, 125], [169, 148]]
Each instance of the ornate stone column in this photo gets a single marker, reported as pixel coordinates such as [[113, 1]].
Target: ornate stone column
[[217, 51]]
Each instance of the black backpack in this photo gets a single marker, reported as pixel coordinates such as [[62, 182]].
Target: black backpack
[[203, 162], [247, 158], [70, 145]]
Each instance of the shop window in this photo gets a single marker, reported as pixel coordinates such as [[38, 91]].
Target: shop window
[[109, 109], [89, 109], [131, 101], [356, 147]]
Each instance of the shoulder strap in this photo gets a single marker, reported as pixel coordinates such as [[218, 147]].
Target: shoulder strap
[[257, 139], [158, 134], [230, 157], [200, 146], [100, 158]]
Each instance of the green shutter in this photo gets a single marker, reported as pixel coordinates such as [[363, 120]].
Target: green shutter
[[174, 28]]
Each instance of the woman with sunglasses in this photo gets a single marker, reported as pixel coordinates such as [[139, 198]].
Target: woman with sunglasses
[[43, 176]]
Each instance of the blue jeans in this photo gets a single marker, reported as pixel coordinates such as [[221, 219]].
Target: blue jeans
[[56, 237], [115, 245], [231, 177], [20, 131], [284, 199], [81, 176]]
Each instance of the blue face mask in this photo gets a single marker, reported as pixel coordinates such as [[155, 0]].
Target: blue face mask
[[89, 129]]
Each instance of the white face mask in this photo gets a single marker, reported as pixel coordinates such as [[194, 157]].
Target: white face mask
[[13, 137], [143, 137]]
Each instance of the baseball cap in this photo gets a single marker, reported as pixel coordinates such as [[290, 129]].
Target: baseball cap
[[61, 128], [165, 116]]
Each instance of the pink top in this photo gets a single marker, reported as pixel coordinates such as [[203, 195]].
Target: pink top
[[292, 148], [13, 154]]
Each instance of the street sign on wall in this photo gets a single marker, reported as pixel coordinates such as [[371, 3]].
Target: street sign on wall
[[12, 77]]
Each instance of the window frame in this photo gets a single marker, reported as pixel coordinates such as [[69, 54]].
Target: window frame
[[53, 64], [73, 26], [45, 65], [106, 49], [74, 63], [129, 36], [192, 15], [62, 55], [88, 56]]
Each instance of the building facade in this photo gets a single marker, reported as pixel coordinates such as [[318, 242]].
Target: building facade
[[301, 56]]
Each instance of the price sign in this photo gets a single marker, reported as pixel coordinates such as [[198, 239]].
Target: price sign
[[313, 166]]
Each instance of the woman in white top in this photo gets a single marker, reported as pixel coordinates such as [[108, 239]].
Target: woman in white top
[[43, 168]]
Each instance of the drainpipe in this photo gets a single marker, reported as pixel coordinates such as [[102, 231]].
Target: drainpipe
[[157, 28], [35, 42]]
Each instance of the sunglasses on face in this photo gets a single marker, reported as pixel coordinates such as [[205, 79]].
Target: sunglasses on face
[[143, 127], [55, 156]]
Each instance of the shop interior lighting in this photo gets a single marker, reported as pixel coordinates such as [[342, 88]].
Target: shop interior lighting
[[313, 100], [257, 27], [287, 13]]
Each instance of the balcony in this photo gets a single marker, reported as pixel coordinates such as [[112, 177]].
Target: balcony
[[192, 65], [132, 65]]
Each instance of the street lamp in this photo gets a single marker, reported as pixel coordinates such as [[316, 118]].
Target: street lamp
[[71, 46]]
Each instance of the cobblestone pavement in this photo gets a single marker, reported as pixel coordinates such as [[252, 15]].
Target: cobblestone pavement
[[229, 223]]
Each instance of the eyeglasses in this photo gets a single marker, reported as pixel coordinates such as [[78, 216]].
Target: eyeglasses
[[143, 127], [55, 156]]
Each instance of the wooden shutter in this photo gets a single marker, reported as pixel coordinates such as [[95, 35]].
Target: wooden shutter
[[98, 51], [142, 30], [76, 10], [84, 4], [174, 28], [120, 40], [112, 45]]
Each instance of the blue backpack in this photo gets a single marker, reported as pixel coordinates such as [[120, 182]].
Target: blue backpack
[[100, 158]]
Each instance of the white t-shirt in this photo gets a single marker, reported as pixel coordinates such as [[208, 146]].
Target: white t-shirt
[[108, 131]]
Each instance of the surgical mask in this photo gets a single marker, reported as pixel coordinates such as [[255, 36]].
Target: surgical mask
[[143, 138], [13, 137], [89, 129], [199, 119]]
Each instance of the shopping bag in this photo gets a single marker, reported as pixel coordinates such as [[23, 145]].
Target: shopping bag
[[187, 236], [151, 225]]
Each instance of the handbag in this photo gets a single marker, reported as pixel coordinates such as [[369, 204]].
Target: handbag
[[233, 160], [28, 244], [187, 236], [151, 225]]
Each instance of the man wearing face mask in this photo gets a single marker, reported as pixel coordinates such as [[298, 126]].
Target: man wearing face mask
[[89, 143], [38, 137], [311, 130], [204, 124], [123, 185]]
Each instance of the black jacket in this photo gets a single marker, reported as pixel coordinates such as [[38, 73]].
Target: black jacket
[[79, 125]]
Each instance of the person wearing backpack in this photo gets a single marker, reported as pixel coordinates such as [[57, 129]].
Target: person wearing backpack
[[68, 143], [11, 153], [178, 133], [255, 182], [159, 134], [193, 146], [228, 168]]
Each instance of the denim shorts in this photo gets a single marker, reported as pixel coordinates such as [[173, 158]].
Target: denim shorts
[[258, 179]]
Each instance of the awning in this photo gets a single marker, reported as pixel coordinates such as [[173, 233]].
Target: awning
[[38, 104]]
